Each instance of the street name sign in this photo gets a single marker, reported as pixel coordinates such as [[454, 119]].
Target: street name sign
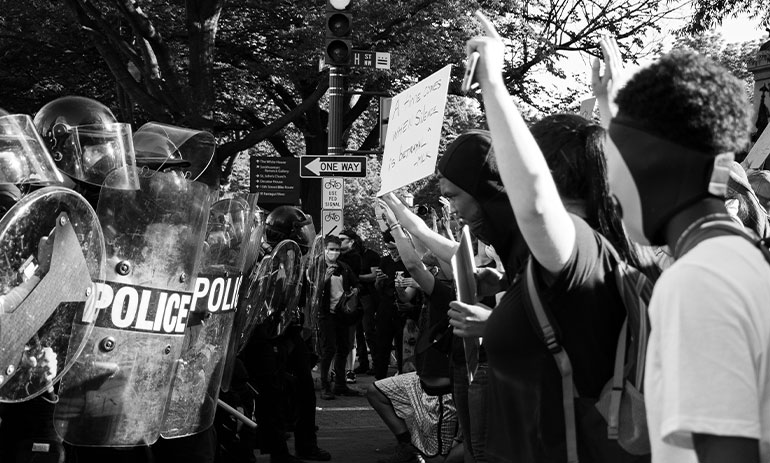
[[332, 166], [370, 59]]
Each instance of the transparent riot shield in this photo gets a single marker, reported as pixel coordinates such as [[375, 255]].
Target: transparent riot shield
[[163, 146], [244, 315], [255, 289], [195, 389], [23, 157], [315, 265], [52, 250], [281, 281], [115, 394]]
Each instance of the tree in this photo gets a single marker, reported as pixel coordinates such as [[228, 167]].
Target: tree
[[707, 14]]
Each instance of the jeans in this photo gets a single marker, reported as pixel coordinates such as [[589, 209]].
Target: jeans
[[471, 403], [335, 345]]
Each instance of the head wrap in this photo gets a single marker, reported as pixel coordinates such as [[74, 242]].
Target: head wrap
[[469, 163]]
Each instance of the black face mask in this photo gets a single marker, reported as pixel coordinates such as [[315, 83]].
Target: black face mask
[[466, 163], [653, 179]]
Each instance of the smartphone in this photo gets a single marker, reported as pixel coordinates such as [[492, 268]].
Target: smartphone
[[470, 70]]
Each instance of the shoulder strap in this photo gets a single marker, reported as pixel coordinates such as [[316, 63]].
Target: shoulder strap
[[562, 360]]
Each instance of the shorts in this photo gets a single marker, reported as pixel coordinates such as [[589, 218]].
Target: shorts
[[431, 420]]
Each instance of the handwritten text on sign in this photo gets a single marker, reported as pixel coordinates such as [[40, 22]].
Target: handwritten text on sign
[[414, 131]]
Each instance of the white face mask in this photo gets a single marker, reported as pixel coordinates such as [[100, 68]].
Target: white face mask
[[332, 255]]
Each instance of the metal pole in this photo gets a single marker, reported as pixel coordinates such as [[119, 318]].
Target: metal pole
[[336, 95]]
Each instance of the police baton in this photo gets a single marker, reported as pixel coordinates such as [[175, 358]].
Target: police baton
[[240, 416]]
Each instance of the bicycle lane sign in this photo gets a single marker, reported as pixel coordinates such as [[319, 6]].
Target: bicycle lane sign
[[331, 221], [332, 193]]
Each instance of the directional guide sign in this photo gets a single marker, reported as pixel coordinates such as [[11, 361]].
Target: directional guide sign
[[332, 166]]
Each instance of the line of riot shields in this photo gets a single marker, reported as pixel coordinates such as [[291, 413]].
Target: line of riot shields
[[133, 306]]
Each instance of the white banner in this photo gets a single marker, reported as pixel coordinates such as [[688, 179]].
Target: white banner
[[414, 131]]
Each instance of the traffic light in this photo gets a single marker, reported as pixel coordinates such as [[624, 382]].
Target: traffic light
[[339, 25]]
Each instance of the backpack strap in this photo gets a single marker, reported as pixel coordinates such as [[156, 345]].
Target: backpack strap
[[563, 363], [613, 416]]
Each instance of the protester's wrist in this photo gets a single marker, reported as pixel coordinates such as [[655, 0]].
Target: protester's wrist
[[394, 226]]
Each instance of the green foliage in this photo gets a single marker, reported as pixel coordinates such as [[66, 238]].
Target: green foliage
[[708, 14]]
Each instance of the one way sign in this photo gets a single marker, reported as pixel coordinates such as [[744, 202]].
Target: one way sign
[[332, 166]]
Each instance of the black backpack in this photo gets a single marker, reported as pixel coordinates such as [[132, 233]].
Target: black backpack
[[614, 428]]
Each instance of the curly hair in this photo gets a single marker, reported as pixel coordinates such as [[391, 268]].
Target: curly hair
[[688, 99]]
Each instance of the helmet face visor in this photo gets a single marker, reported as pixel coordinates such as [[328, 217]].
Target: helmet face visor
[[166, 147], [90, 152], [23, 157]]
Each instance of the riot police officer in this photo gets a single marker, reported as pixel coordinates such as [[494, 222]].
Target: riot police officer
[[279, 362]]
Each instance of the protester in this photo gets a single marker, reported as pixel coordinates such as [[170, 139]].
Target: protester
[[340, 279], [417, 407], [555, 180], [706, 384], [364, 329], [389, 323]]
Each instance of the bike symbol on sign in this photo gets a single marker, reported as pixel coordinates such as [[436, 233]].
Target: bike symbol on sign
[[333, 184], [332, 217]]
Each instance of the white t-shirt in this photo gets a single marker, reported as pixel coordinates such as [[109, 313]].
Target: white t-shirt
[[709, 351]]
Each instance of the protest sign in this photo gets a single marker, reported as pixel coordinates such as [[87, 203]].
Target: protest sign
[[415, 120], [759, 152]]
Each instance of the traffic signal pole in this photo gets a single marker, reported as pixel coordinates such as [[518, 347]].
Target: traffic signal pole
[[336, 101]]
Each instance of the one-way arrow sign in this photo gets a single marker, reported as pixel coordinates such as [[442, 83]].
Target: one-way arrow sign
[[332, 166]]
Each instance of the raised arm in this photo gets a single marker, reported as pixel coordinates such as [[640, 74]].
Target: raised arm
[[540, 214], [442, 247], [605, 86], [409, 256]]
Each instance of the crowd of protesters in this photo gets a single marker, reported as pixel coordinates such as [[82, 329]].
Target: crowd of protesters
[[562, 212]]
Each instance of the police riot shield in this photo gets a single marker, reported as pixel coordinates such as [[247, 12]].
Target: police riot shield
[[281, 282], [115, 394], [195, 389], [162, 146], [23, 156], [52, 250], [314, 279], [244, 316]]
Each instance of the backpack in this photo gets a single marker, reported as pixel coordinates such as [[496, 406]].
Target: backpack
[[622, 433]]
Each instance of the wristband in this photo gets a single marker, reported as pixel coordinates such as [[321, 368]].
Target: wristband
[[394, 226]]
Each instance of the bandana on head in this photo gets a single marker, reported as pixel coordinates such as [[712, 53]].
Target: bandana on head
[[654, 179], [466, 164]]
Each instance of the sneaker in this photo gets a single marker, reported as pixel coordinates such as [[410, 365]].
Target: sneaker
[[347, 391], [327, 394], [404, 454], [315, 454], [350, 377]]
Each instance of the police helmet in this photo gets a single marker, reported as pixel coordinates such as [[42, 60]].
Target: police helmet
[[289, 223]]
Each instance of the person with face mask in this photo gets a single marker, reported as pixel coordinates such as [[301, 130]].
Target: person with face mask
[[563, 219], [334, 326], [678, 122]]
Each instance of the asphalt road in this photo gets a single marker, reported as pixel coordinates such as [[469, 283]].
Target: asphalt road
[[350, 429]]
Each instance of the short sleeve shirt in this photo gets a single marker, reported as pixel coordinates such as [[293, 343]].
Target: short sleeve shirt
[[707, 358], [525, 418]]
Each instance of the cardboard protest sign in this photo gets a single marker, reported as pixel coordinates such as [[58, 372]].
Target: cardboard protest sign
[[587, 107], [414, 131], [759, 152]]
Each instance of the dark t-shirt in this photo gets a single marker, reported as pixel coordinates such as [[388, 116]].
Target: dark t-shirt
[[524, 411], [387, 288], [431, 362], [353, 259], [369, 259]]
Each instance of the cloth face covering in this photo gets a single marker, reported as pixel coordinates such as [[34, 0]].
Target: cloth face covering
[[654, 179], [466, 164]]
